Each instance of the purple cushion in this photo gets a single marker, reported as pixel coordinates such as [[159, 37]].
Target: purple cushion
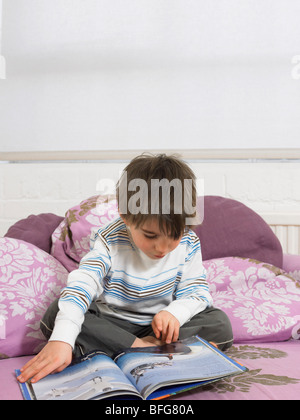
[[30, 279], [36, 230], [261, 301], [232, 229]]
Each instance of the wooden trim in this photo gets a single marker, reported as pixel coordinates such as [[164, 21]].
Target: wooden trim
[[124, 155]]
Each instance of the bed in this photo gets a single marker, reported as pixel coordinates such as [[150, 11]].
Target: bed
[[250, 278]]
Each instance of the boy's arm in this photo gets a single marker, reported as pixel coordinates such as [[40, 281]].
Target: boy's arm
[[192, 295], [84, 285], [75, 299]]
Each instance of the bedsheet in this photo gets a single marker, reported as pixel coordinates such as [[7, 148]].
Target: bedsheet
[[9, 387], [274, 374]]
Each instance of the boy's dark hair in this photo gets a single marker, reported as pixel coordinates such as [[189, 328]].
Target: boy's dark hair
[[148, 171]]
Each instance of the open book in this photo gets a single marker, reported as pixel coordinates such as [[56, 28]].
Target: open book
[[137, 373]]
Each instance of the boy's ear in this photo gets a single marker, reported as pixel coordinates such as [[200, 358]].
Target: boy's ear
[[123, 218]]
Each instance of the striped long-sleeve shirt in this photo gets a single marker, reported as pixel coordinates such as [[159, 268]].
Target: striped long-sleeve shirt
[[127, 284]]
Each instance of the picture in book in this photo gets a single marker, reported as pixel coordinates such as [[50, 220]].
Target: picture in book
[[139, 373]]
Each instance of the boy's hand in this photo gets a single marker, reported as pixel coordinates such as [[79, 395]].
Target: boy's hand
[[54, 357], [166, 327]]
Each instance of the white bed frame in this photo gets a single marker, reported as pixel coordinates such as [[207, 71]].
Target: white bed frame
[[287, 229], [285, 225]]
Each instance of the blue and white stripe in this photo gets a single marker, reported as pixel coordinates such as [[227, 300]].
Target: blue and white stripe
[[128, 285]]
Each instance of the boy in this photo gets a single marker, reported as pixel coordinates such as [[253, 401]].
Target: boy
[[143, 283]]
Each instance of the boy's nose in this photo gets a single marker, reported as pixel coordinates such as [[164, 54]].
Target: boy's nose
[[162, 247]]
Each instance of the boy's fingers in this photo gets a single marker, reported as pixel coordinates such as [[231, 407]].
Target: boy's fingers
[[166, 327], [157, 327], [176, 334], [39, 371], [29, 363], [55, 355], [170, 333], [37, 364], [165, 331], [31, 370], [44, 372], [157, 333]]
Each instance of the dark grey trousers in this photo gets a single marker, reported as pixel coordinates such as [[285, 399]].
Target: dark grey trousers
[[111, 335]]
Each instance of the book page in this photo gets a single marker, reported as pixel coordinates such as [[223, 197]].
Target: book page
[[190, 360], [96, 377]]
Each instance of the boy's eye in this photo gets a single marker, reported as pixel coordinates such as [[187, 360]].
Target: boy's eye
[[150, 237]]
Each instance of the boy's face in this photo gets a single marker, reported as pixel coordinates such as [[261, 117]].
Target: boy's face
[[151, 241]]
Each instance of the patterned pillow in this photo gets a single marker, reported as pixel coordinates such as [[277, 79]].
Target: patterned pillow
[[71, 239], [261, 301], [30, 279]]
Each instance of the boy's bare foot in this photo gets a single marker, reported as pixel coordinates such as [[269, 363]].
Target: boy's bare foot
[[148, 341]]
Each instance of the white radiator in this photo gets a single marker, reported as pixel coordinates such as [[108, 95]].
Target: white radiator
[[287, 229]]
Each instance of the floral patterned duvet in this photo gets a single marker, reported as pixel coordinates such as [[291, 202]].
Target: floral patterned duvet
[[274, 374]]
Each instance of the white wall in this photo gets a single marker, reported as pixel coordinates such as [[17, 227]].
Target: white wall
[[33, 188], [148, 74], [128, 74], [2, 59]]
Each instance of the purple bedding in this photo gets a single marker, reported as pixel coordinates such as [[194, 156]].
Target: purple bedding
[[9, 388], [262, 300], [273, 374]]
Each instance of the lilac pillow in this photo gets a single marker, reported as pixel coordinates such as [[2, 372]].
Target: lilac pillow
[[261, 301], [30, 279], [71, 239], [36, 230], [230, 229]]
